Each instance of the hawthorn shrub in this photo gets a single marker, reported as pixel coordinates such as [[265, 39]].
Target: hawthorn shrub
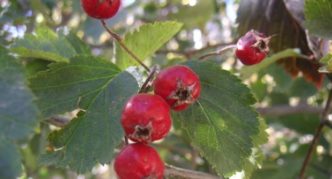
[[165, 89]]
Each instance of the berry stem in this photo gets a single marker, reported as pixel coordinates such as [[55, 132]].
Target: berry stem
[[176, 172], [126, 140], [221, 51], [146, 84], [120, 41]]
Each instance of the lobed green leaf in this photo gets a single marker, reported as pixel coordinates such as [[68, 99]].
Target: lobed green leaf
[[145, 41], [222, 124], [99, 89], [48, 45]]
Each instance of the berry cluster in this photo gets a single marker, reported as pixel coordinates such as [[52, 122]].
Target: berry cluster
[[146, 118]]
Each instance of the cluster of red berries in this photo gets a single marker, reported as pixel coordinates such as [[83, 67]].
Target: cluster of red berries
[[146, 118]]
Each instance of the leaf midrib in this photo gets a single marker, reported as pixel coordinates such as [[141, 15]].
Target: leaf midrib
[[88, 106]]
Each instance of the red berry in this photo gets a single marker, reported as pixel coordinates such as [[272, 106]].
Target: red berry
[[252, 48], [101, 9], [178, 85], [146, 118], [138, 161]]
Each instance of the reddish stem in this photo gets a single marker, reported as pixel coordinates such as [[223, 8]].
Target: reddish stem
[[120, 41], [148, 80], [126, 140]]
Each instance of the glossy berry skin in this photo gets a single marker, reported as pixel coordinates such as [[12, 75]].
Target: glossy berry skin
[[252, 48], [101, 9], [139, 161], [146, 118], [178, 85]]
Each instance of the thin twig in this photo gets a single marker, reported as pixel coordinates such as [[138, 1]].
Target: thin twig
[[283, 110], [221, 51], [180, 173], [126, 141], [119, 40], [148, 80], [192, 52], [317, 136], [328, 124]]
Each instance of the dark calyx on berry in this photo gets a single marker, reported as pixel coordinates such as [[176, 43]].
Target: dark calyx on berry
[[146, 118], [142, 133], [178, 85], [262, 42], [182, 94]]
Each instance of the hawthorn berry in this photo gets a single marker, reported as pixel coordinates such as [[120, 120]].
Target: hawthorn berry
[[178, 85], [252, 48], [146, 118], [138, 161], [101, 9]]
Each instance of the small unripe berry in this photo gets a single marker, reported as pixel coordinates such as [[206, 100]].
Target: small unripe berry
[[146, 118], [178, 85], [101, 9], [252, 48], [138, 161]]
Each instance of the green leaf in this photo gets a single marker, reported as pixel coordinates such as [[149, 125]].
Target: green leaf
[[283, 80], [285, 170], [45, 44], [287, 166], [92, 136], [145, 41], [259, 89], [18, 113], [257, 157], [301, 88], [304, 123], [318, 15], [249, 70], [188, 14], [10, 161], [327, 62], [65, 87], [222, 124], [79, 46], [35, 66], [98, 88]]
